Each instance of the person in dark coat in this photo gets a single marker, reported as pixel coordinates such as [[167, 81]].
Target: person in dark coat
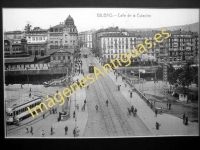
[[132, 109], [156, 112], [184, 118], [170, 105], [157, 126], [74, 114], [131, 94], [74, 132], [31, 130], [107, 102], [66, 129], [167, 105]]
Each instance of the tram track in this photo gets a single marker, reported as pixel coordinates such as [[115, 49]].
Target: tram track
[[118, 126], [31, 122]]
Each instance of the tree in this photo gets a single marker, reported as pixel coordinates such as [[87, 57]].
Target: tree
[[28, 27], [170, 77], [187, 76]]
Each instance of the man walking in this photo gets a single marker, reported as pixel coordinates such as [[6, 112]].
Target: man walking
[[31, 130], [131, 94], [170, 105], [52, 130], [66, 129], [167, 105], [107, 102], [184, 118], [27, 129], [132, 109], [96, 108], [74, 132], [156, 112]]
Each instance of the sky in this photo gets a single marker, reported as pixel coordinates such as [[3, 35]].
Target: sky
[[89, 18]]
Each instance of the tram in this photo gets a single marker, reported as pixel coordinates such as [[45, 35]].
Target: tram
[[20, 111], [91, 68]]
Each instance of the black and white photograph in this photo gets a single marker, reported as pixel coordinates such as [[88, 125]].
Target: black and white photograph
[[100, 72]]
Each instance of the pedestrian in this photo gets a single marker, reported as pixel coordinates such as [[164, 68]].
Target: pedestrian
[[77, 106], [83, 108], [30, 89], [135, 111], [107, 102], [74, 114], [184, 118], [167, 105], [27, 129], [161, 111], [43, 116], [29, 94], [132, 109], [96, 108], [88, 87], [55, 110], [31, 130], [66, 129], [170, 105], [131, 94], [156, 112], [21, 86], [43, 133], [157, 125], [85, 101], [52, 130], [74, 132], [50, 110]]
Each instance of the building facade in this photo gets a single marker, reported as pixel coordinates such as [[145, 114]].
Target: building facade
[[63, 35], [183, 46], [85, 38], [114, 44], [37, 42]]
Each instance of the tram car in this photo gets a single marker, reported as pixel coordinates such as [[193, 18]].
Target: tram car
[[20, 111], [91, 68]]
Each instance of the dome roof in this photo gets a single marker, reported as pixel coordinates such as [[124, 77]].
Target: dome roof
[[69, 20]]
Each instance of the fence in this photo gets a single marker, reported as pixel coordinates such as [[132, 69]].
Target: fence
[[143, 97]]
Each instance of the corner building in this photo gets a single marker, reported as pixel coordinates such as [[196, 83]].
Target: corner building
[[63, 35]]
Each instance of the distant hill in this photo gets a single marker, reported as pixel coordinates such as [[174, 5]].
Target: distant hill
[[192, 27]]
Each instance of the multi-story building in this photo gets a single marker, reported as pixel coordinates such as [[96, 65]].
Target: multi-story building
[[112, 44], [86, 38], [13, 47], [37, 42], [63, 35], [14, 34], [96, 38], [182, 46]]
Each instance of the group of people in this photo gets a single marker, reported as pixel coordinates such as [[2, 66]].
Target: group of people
[[53, 110], [132, 110], [27, 129], [169, 105]]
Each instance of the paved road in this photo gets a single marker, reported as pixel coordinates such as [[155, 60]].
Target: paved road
[[111, 120]]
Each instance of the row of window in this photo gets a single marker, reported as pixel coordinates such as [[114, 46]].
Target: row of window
[[36, 38], [36, 52], [115, 39], [25, 109], [61, 57]]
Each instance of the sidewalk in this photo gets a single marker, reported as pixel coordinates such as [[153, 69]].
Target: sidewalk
[[170, 125], [59, 127]]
